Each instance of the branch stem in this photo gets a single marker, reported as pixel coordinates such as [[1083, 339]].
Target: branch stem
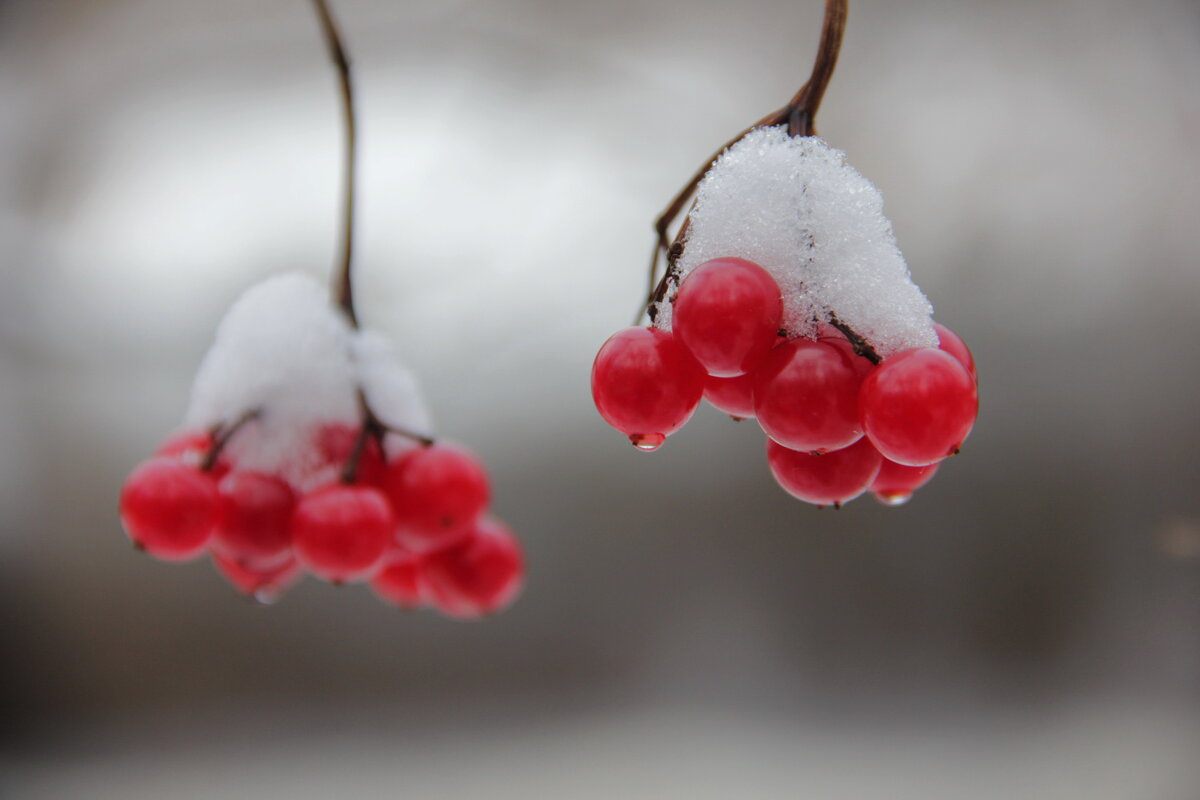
[[343, 287], [799, 115], [221, 436]]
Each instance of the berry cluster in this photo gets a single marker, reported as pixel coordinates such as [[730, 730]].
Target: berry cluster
[[838, 423], [414, 527]]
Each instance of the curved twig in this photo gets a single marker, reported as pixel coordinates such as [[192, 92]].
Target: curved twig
[[799, 114], [343, 287]]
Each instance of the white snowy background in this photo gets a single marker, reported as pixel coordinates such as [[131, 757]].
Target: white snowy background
[[1029, 626]]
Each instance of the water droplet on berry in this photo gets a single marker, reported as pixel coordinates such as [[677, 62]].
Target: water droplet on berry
[[647, 442], [267, 595], [893, 498]]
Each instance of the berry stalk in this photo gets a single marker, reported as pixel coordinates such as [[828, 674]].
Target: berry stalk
[[221, 436], [343, 285], [799, 114]]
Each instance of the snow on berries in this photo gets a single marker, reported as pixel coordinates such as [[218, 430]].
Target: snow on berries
[[792, 205], [307, 448], [787, 301]]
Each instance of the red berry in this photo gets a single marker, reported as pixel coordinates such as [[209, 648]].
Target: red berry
[[727, 312], [895, 483], [437, 492], [341, 532], [918, 406], [479, 575], [734, 396], [169, 508], [806, 397], [953, 344], [827, 479], [646, 385], [255, 517], [264, 584], [400, 582], [335, 444]]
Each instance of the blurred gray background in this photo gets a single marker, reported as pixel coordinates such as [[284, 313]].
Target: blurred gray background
[[1029, 626]]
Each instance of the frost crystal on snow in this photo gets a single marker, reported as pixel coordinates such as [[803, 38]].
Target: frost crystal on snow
[[794, 206], [285, 350]]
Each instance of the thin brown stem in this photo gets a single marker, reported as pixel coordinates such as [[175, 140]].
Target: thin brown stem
[[803, 106], [419, 438], [221, 436], [860, 345], [343, 286], [799, 115]]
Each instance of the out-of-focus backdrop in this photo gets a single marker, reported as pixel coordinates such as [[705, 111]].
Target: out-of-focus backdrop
[[1029, 626]]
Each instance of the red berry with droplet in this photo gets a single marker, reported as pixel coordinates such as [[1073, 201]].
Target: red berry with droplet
[[341, 532], [827, 479], [953, 344], [400, 582], [646, 385], [480, 575], [438, 492], [254, 523], [264, 584], [806, 397], [918, 406], [169, 508], [734, 396], [895, 483], [727, 313]]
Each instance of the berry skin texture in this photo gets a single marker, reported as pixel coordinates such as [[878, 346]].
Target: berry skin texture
[[918, 406], [829, 479], [478, 576], [263, 584], [169, 509], [953, 344], [727, 314], [806, 397], [400, 582], [734, 396], [895, 483], [438, 493], [255, 516], [341, 532], [646, 385]]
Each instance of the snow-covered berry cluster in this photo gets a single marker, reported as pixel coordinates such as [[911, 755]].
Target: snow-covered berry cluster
[[793, 305], [307, 447]]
